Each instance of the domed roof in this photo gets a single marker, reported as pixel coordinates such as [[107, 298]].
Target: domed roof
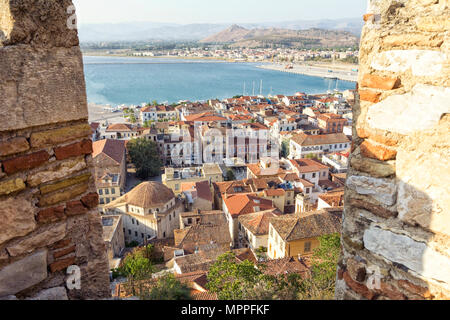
[[146, 195]]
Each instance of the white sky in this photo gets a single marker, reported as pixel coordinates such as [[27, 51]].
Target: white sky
[[215, 11]]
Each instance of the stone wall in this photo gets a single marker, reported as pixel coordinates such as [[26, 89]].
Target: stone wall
[[48, 201], [396, 237]]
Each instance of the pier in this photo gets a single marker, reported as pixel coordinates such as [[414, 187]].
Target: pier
[[343, 75]]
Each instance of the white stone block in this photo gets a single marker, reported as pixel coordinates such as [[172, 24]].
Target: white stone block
[[383, 190], [23, 274], [58, 293], [425, 63], [418, 110], [417, 256]]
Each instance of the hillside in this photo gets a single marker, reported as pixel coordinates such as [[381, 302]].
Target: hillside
[[143, 31], [241, 37]]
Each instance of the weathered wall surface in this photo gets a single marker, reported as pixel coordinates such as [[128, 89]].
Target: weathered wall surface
[[397, 218], [48, 201]]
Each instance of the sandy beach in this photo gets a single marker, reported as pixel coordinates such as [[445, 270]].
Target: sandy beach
[[97, 113]]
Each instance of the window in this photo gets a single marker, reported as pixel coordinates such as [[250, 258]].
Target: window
[[307, 246], [100, 191], [106, 191], [189, 221], [137, 222], [314, 175], [135, 233], [113, 191], [129, 231]]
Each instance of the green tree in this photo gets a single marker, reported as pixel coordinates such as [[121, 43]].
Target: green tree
[[230, 279], [281, 287], [285, 149], [168, 288], [136, 267], [230, 175], [145, 156], [324, 266]]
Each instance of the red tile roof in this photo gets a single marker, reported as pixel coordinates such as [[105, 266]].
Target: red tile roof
[[303, 139], [119, 127], [115, 149], [258, 222], [206, 116], [308, 165], [240, 204], [202, 188]]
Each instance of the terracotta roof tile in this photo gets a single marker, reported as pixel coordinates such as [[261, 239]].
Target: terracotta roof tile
[[146, 195], [115, 149], [308, 165], [286, 266], [258, 222], [239, 204], [119, 127], [322, 139], [308, 225]]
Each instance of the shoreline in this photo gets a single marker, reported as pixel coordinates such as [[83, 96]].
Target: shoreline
[[315, 71], [206, 59], [97, 113]]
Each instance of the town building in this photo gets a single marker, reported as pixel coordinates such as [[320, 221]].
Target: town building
[[237, 205], [121, 131], [149, 211], [331, 123], [173, 178], [337, 161], [303, 145], [114, 238], [197, 195], [298, 234], [254, 228], [109, 157]]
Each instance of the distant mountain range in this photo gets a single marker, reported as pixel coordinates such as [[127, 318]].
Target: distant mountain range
[[146, 31], [311, 38]]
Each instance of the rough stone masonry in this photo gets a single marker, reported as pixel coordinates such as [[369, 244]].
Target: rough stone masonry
[[396, 234], [48, 201]]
